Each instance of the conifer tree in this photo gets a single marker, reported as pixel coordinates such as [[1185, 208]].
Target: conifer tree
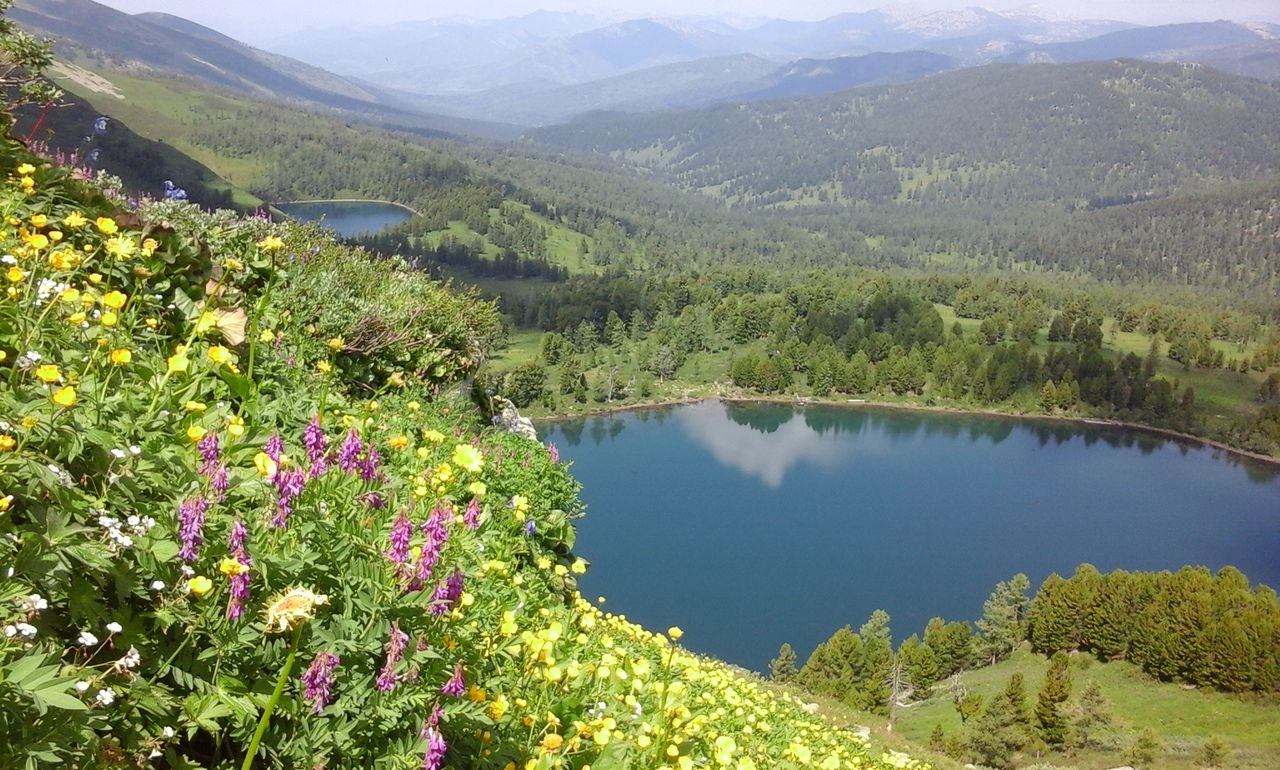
[[1004, 617], [1213, 755], [1091, 717], [937, 739], [1051, 721], [1143, 751], [783, 668]]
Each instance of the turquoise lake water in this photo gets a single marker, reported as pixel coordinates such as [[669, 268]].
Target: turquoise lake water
[[348, 218], [751, 525]]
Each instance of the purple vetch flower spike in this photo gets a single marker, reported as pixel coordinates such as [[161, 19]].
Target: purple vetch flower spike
[[315, 441], [191, 527], [369, 466], [395, 650], [401, 533], [436, 745], [318, 681], [209, 453], [472, 515], [349, 455], [554, 453], [455, 687], [437, 532], [219, 483], [447, 594], [289, 484], [236, 544], [275, 447]]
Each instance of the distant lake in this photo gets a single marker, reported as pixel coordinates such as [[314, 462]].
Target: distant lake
[[348, 218], [753, 525]]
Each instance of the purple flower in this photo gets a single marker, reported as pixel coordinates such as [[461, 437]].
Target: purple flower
[[289, 484], [369, 466], [447, 594], [209, 453], [375, 500], [554, 453], [219, 483], [455, 686], [318, 681], [436, 747], [395, 650], [191, 527], [437, 533], [401, 532], [530, 528], [274, 447], [239, 581], [349, 455], [472, 515], [315, 441]]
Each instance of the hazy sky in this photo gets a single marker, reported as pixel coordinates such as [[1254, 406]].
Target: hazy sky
[[272, 19]]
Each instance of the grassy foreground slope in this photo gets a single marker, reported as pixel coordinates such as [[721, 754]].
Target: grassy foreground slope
[[249, 525]]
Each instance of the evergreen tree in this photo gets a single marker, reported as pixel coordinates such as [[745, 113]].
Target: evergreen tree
[[999, 731], [1051, 721], [783, 668], [937, 739], [1143, 751], [919, 665], [1091, 717], [1004, 618]]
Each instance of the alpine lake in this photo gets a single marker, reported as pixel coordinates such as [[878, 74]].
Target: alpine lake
[[348, 219], [750, 525]]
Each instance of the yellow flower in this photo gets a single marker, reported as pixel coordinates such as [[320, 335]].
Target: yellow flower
[[578, 567], [75, 220], [477, 488], [121, 248], [28, 183], [62, 259], [109, 319], [399, 442], [413, 406], [477, 695], [468, 458], [7, 442], [396, 379], [271, 243], [221, 356], [114, 299], [433, 436], [199, 585], [498, 708], [552, 742], [233, 264], [267, 336], [725, 747], [149, 247], [267, 467], [194, 406], [121, 356], [48, 373], [178, 362], [15, 274], [675, 633], [323, 367], [26, 168], [293, 608], [206, 322], [196, 432], [235, 425], [231, 567], [55, 235], [95, 278], [107, 225], [65, 397], [336, 343], [39, 220], [38, 241], [77, 317], [5, 502], [70, 296]]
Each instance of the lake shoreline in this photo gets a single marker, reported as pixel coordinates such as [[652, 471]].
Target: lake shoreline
[[1166, 433], [410, 209]]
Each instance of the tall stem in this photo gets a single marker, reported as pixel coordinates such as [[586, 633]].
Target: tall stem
[[271, 704]]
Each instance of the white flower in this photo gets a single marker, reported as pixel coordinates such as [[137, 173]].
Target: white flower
[[27, 630], [106, 696], [135, 450], [82, 686], [114, 627], [133, 520], [186, 570], [10, 631], [157, 585], [169, 732], [9, 259], [35, 603], [132, 659], [87, 639], [118, 454]]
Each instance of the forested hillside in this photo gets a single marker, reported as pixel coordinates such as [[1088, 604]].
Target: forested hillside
[[984, 161]]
